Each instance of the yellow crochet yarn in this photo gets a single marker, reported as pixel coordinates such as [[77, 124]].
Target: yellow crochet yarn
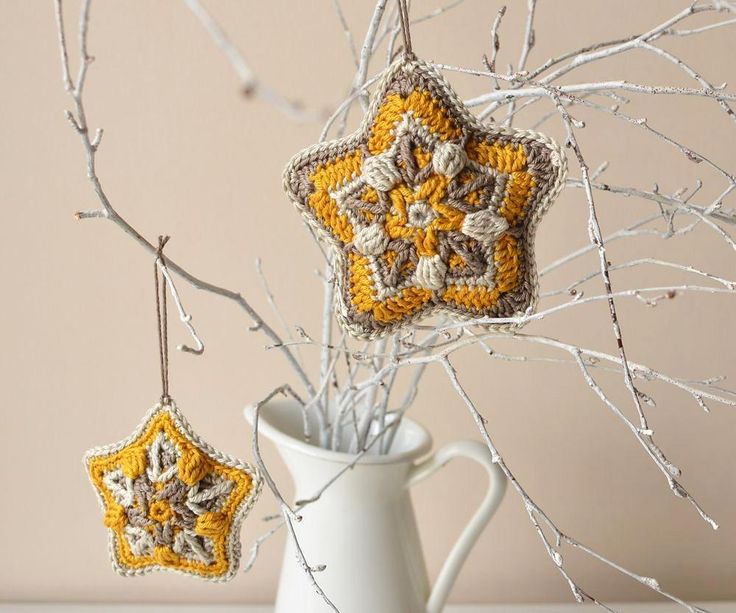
[[171, 501], [426, 208]]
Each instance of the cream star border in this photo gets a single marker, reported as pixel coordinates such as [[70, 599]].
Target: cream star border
[[525, 168], [166, 416]]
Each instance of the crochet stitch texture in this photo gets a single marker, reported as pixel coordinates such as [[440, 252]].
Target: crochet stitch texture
[[171, 501], [427, 210]]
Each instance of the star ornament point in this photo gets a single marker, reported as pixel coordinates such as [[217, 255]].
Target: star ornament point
[[170, 501], [427, 210]]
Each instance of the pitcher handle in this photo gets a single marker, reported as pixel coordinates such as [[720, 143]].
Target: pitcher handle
[[460, 550]]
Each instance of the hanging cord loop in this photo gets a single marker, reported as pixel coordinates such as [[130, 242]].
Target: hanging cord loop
[[161, 317], [406, 32], [162, 284]]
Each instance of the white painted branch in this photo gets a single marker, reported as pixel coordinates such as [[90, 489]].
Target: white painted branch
[[247, 78], [570, 289], [677, 203], [75, 91], [288, 514], [346, 30], [275, 308], [369, 369], [529, 35], [326, 353], [646, 439], [366, 51], [606, 49], [250, 84], [712, 26], [581, 88], [440, 10], [534, 512], [183, 316], [258, 543]]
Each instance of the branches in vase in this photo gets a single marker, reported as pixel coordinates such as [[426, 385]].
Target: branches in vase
[[354, 402]]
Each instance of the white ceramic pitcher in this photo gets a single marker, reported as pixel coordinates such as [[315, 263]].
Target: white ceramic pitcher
[[363, 527]]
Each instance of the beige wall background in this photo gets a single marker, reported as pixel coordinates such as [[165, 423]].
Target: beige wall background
[[185, 154]]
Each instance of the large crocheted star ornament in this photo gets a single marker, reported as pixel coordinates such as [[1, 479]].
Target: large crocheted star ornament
[[426, 208], [171, 501]]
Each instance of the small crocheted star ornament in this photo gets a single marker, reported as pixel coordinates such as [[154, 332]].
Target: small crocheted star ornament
[[171, 501], [427, 209]]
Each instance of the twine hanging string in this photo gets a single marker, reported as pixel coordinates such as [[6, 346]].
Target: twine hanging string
[[405, 31], [161, 317]]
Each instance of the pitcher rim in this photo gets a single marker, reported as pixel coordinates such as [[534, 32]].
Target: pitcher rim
[[280, 438]]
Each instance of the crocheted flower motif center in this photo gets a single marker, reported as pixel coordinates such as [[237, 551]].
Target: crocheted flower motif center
[[427, 210], [169, 502]]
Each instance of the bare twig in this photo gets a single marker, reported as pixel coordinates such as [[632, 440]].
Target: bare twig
[[258, 543], [539, 517], [346, 30], [249, 83], [366, 51], [185, 318], [79, 121], [288, 514], [356, 382]]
